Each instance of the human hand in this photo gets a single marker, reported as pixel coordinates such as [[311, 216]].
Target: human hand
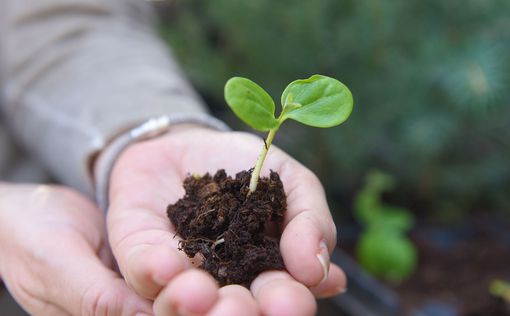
[[149, 175], [54, 257]]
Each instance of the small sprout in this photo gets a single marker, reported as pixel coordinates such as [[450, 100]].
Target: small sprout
[[318, 101]]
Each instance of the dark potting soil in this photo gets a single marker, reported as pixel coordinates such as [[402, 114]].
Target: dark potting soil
[[218, 220]]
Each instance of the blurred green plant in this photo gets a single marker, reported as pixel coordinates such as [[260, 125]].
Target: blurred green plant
[[383, 248], [500, 288], [431, 80]]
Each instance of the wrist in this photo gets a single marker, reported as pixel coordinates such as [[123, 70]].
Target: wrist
[[179, 128], [152, 128]]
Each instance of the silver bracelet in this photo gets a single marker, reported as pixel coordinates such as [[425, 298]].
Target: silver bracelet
[[149, 129]]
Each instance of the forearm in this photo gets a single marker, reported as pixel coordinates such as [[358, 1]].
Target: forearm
[[78, 73]]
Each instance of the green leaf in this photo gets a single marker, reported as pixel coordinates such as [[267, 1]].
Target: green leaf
[[389, 256], [380, 181], [251, 103], [325, 102], [395, 218]]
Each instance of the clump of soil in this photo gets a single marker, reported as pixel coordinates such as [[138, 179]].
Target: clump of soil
[[219, 220]]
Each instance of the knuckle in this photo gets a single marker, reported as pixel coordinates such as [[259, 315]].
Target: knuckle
[[98, 301], [89, 301]]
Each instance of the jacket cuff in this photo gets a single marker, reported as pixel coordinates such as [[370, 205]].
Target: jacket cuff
[[153, 127]]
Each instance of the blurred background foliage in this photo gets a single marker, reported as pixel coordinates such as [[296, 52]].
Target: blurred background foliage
[[430, 81]]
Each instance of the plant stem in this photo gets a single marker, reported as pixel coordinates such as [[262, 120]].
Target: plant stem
[[260, 161], [218, 242]]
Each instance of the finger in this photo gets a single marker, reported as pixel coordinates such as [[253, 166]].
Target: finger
[[235, 300], [32, 304], [335, 284], [305, 251], [94, 289], [309, 232], [193, 292], [63, 275], [139, 230], [149, 262], [305, 194], [277, 293], [81, 285]]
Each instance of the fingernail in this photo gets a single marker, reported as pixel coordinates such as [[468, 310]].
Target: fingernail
[[337, 291], [142, 314], [323, 257]]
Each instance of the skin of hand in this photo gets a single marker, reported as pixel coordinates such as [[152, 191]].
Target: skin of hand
[[54, 257], [149, 175]]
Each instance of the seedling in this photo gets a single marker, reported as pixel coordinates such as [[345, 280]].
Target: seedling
[[318, 101], [383, 248], [222, 222]]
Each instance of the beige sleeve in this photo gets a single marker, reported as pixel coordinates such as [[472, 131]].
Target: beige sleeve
[[76, 73]]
